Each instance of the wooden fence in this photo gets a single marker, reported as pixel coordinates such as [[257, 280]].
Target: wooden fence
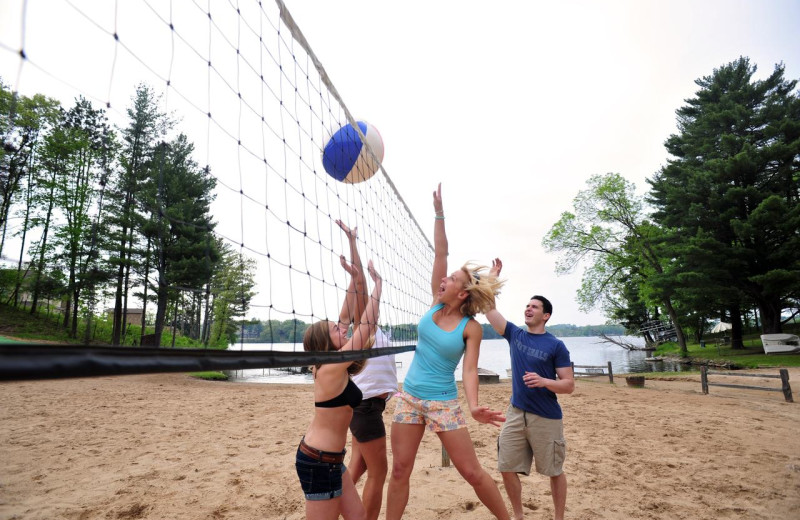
[[783, 376], [594, 370]]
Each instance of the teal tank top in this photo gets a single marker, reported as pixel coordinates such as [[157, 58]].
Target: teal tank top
[[431, 375]]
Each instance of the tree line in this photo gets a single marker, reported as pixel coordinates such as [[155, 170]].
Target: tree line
[[291, 331], [114, 214], [717, 236]]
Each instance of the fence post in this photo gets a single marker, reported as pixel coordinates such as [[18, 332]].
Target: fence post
[[445, 458], [610, 373], [787, 390], [704, 378]]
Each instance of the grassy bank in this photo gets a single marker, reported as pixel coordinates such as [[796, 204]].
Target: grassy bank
[[714, 353], [23, 326], [48, 327]]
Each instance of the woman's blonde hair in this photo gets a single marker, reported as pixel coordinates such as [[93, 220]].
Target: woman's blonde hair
[[317, 338], [482, 288]]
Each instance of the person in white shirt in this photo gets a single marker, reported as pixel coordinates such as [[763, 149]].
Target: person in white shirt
[[378, 383]]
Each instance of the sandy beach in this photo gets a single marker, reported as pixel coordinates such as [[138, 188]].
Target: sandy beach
[[168, 446]]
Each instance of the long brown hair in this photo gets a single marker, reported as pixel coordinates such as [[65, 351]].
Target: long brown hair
[[317, 338]]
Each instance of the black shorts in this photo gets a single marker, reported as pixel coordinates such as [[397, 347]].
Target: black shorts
[[367, 423]]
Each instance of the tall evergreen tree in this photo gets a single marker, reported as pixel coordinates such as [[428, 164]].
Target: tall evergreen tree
[[146, 127], [179, 196], [729, 195]]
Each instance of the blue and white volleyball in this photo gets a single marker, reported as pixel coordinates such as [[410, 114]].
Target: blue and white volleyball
[[345, 157]]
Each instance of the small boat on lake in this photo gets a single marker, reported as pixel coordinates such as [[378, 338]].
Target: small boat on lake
[[780, 343]]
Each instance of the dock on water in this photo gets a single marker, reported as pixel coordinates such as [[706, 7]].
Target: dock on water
[[487, 376]]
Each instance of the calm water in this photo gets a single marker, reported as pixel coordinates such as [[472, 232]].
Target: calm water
[[494, 356]]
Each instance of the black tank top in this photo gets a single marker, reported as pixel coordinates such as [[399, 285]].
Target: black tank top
[[351, 395]]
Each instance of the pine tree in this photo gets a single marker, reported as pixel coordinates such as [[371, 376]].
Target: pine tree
[[729, 196], [178, 195]]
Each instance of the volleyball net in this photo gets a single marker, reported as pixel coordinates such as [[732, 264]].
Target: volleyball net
[[242, 84]]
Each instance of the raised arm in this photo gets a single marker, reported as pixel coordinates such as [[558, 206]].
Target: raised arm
[[356, 297], [365, 327], [439, 244], [496, 319]]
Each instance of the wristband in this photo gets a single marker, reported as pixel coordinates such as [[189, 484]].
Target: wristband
[[439, 217]]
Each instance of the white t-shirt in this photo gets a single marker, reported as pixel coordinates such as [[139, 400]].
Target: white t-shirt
[[380, 373]]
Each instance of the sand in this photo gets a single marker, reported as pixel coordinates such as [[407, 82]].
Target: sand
[[167, 446]]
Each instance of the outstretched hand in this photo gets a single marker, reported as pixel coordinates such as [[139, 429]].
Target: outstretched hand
[[497, 266], [352, 234], [437, 200], [483, 414], [376, 277], [352, 269]]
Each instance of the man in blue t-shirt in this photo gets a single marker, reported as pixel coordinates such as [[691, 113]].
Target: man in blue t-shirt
[[533, 431]]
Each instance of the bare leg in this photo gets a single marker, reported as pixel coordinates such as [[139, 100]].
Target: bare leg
[[558, 487], [405, 443], [323, 509], [373, 455], [357, 465], [514, 492], [459, 446], [350, 505]]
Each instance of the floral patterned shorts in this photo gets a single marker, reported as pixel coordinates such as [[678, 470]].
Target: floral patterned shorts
[[439, 416]]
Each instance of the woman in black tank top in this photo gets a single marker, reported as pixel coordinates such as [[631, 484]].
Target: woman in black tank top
[[328, 489]]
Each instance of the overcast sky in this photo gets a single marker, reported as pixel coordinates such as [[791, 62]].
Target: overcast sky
[[512, 106]]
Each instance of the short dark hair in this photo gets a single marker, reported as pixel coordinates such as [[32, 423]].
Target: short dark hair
[[547, 307]]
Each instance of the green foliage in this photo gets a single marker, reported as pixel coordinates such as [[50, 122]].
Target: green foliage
[[751, 356], [178, 196], [609, 232], [232, 289], [729, 197], [210, 376], [724, 234], [23, 123], [21, 324]]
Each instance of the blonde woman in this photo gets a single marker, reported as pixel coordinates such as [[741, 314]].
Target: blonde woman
[[328, 488], [430, 397]]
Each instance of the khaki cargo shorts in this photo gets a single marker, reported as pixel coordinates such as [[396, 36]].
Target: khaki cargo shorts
[[527, 437]]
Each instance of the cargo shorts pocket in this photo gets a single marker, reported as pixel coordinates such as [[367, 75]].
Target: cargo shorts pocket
[[559, 454]]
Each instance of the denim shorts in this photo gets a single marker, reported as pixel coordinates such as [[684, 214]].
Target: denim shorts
[[319, 480]]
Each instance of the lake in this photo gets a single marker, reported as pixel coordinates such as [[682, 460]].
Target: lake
[[494, 356]]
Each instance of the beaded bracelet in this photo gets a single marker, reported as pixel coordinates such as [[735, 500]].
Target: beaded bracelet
[[439, 217]]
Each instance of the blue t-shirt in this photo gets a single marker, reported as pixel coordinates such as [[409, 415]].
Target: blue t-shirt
[[431, 375], [540, 353]]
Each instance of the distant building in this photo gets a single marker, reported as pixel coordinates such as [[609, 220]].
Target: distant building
[[134, 315]]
